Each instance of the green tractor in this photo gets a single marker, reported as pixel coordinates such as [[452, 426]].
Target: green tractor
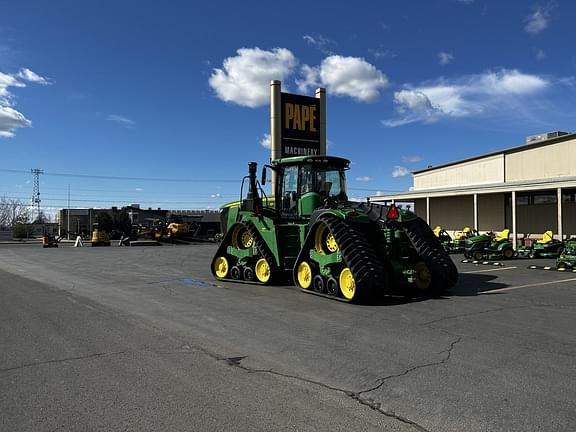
[[547, 247], [309, 234], [567, 257], [489, 246]]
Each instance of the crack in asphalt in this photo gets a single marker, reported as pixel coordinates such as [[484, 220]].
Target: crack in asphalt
[[63, 360], [447, 351], [473, 314], [357, 396]]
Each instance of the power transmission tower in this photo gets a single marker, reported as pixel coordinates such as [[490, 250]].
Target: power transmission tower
[[36, 191]]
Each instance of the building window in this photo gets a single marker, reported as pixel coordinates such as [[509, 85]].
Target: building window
[[545, 198], [569, 196]]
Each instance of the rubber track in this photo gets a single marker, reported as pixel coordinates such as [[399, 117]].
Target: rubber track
[[442, 269], [357, 253], [264, 251], [261, 246]]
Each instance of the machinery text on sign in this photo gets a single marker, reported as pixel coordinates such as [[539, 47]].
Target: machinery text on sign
[[300, 125]]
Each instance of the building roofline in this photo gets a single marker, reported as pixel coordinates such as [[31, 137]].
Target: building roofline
[[541, 184], [515, 149]]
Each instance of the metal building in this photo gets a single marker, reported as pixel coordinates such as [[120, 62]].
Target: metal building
[[529, 189]]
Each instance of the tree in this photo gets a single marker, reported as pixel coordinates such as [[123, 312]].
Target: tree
[[13, 212]]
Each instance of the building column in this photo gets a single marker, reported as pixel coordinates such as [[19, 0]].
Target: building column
[[476, 212], [428, 210], [514, 236], [560, 230]]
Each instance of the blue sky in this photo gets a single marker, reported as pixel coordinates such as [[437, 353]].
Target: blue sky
[[164, 104]]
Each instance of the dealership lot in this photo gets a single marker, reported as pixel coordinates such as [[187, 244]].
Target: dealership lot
[[101, 337]]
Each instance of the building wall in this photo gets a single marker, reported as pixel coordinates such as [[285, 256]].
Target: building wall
[[549, 161], [481, 171], [420, 208], [537, 218], [569, 219], [491, 214], [451, 213]]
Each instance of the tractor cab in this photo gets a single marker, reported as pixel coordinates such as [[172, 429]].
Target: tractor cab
[[304, 184]]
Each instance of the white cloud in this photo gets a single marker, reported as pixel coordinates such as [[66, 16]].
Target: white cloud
[[265, 141], [411, 159], [216, 195], [540, 54], [121, 120], [381, 53], [245, 78], [400, 171], [139, 189], [364, 179], [10, 118], [345, 76], [536, 22], [321, 43], [464, 97], [28, 75], [445, 58]]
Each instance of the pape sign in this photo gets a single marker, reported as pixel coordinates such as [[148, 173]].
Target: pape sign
[[300, 125]]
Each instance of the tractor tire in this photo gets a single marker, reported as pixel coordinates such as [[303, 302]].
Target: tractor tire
[[442, 269]]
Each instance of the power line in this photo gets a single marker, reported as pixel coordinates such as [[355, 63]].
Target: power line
[[173, 180], [102, 177]]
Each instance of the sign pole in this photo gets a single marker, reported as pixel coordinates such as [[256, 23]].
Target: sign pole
[[321, 94], [275, 145]]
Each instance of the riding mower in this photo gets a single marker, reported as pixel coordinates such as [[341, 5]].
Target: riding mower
[[489, 246], [567, 257], [458, 244], [547, 247], [443, 237]]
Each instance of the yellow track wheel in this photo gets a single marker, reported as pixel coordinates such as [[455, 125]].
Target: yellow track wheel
[[262, 270], [221, 267], [347, 283], [422, 278], [241, 238], [304, 275], [324, 241]]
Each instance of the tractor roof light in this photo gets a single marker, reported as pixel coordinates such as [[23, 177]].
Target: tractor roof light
[[393, 213]]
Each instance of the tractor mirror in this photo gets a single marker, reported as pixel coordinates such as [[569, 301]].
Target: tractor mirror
[[263, 181]]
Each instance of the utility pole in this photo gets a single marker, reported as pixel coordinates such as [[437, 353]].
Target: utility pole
[[36, 191], [68, 214]]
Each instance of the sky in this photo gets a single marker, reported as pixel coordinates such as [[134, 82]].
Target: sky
[[165, 103]]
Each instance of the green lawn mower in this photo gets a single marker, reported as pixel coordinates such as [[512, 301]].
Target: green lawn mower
[[547, 247], [443, 237], [567, 257], [489, 246], [458, 244]]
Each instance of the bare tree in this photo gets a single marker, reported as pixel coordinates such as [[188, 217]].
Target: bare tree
[[12, 212]]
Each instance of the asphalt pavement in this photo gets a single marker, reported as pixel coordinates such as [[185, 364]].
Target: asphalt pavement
[[126, 338]]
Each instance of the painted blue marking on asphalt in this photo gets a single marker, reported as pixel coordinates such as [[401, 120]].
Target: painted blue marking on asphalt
[[194, 282]]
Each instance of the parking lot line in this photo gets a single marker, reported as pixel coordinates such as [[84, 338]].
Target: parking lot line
[[534, 285], [489, 270]]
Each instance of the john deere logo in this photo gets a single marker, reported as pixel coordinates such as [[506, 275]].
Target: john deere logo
[[300, 125]]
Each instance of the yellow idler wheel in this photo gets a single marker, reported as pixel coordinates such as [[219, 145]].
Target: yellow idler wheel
[[331, 244], [347, 284], [324, 241], [221, 267], [241, 238], [262, 270], [422, 277], [246, 240], [304, 275]]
